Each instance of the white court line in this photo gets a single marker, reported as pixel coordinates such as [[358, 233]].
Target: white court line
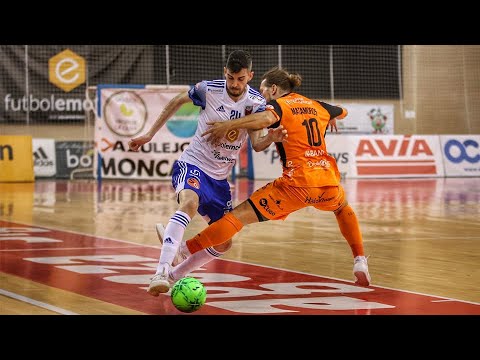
[[80, 248], [256, 243], [80, 233], [295, 242], [36, 303], [368, 240], [439, 298]]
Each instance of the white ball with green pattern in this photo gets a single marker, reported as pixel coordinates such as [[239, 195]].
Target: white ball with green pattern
[[188, 294]]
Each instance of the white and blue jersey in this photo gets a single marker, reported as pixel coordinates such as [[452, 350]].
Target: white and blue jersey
[[217, 161], [204, 167]]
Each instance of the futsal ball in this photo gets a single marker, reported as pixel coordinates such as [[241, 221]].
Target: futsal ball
[[188, 294]]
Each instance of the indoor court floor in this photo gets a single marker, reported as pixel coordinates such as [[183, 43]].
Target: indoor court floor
[[87, 247]]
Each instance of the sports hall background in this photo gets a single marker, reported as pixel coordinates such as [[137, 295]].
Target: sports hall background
[[421, 233], [434, 89]]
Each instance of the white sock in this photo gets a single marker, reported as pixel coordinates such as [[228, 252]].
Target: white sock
[[194, 262], [172, 238]]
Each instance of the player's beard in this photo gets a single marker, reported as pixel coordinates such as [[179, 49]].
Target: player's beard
[[235, 93]]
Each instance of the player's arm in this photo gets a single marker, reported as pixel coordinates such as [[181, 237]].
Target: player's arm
[[261, 141], [170, 109], [336, 113], [257, 121]]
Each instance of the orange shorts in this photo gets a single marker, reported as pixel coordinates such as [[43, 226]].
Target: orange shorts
[[277, 199]]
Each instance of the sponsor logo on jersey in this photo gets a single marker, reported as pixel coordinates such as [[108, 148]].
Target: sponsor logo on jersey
[[215, 91], [313, 153], [193, 183], [232, 135], [255, 97], [319, 199], [264, 203], [221, 109], [276, 202]]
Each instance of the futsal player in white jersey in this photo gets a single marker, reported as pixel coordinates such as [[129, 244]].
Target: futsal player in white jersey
[[200, 175]]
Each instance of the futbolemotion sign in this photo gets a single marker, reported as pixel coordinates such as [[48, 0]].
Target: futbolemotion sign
[[52, 88], [47, 83]]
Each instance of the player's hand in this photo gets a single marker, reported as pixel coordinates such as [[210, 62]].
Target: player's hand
[[278, 134], [218, 131], [135, 143], [333, 125]]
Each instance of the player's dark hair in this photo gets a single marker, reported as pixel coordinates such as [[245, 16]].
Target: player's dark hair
[[238, 60]]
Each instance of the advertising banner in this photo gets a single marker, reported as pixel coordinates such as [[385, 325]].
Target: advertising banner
[[266, 163], [16, 161], [396, 156], [125, 113], [47, 83], [371, 156], [74, 159], [44, 158], [365, 119], [461, 154]]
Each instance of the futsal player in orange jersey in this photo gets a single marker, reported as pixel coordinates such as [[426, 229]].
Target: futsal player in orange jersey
[[310, 175]]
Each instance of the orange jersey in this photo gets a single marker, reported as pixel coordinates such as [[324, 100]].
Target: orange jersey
[[304, 156]]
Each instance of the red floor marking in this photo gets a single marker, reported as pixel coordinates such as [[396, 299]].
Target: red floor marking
[[120, 275]]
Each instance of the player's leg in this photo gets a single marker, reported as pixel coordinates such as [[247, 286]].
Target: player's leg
[[197, 260], [217, 201], [349, 227], [255, 209], [222, 230], [180, 256], [185, 180]]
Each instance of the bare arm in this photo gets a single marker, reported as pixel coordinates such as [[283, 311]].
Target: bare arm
[[170, 109], [260, 142], [256, 121], [336, 113], [332, 123]]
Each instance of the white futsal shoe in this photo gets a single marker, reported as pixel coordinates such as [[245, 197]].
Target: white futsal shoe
[[360, 270], [161, 282]]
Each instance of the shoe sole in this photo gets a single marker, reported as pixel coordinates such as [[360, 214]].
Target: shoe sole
[[362, 278], [158, 289]]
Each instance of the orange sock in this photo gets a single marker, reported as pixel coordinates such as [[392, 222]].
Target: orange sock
[[216, 234], [350, 229]]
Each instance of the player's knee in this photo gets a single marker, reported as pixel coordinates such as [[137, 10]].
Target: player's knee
[[189, 206], [224, 247], [339, 210]]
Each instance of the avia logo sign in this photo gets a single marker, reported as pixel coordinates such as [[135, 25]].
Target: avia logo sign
[[66, 70], [395, 156]]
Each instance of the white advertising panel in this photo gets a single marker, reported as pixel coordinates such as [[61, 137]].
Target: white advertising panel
[[461, 154], [365, 119], [44, 159], [367, 156], [126, 113], [396, 156]]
